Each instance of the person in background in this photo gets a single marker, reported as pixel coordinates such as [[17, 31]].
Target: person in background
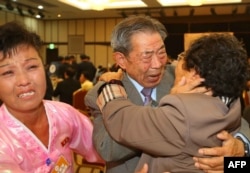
[[66, 88], [61, 67], [49, 88], [183, 122], [86, 84], [100, 70], [36, 135], [139, 49], [73, 62], [86, 65]]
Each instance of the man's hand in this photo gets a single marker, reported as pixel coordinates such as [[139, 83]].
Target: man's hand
[[190, 85], [230, 147], [106, 77]]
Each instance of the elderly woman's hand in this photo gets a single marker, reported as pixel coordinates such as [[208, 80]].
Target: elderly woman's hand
[[190, 84], [106, 77]]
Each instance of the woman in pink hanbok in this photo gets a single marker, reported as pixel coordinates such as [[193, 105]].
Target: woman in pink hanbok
[[36, 135]]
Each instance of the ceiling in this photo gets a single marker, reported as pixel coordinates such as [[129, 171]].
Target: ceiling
[[54, 7]]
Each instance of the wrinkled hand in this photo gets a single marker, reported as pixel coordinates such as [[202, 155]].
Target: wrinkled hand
[[144, 169], [230, 147], [106, 77], [190, 86]]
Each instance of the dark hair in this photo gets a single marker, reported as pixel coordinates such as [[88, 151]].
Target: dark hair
[[60, 58], [83, 56], [86, 74], [222, 61], [70, 72], [67, 58], [14, 34]]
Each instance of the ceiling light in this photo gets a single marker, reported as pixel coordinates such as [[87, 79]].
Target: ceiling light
[[98, 4], [40, 15], [126, 4], [194, 2], [113, 4], [40, 7]]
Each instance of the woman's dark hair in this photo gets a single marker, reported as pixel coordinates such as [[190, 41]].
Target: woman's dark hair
[[222, 60], [13, 34]]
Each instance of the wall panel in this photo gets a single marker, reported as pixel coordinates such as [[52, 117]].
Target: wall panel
[[2, 17], [110, 23], [72, 27], [100, 30], [62, 31], [41, 29], [47, 31], [10, 17], [19, 18], [89, 31], [101, 55], [62, 50], [80, 27], [110, 55], [54, 31], [90, 51]]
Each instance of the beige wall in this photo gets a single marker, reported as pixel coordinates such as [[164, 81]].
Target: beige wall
[[95, 32]]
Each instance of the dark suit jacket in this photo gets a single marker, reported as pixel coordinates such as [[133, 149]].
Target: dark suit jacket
[[121, 159], [86, 66], [65, 90], [171, 134]]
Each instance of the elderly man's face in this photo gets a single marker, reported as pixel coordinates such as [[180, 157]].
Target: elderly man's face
[[147, 60]]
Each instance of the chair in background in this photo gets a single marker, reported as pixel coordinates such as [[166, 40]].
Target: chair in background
[[82, 163], [78, 101]]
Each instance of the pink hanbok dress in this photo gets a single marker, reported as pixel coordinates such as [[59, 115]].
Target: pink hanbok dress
[[22, 152]]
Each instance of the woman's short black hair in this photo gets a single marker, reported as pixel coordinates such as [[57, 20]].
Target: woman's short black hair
[[13, 34], [222, 60]]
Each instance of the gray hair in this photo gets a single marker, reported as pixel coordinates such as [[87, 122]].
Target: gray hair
[[123, 31]]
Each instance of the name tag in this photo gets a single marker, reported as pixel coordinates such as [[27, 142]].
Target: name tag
[[61, 165]]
